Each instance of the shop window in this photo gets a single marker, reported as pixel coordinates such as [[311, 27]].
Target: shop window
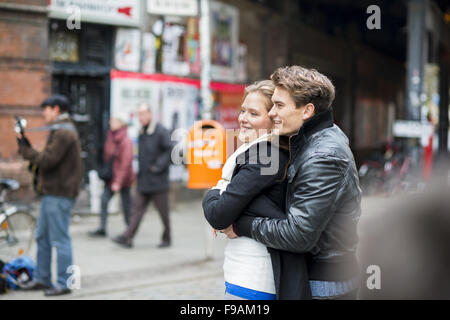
[[64, 46]]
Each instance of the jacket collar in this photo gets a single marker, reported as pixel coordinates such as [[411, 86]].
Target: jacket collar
[[151, 128], [318, 122], [63, 117]]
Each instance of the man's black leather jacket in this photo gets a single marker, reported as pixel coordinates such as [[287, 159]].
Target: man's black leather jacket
[[323, 202]]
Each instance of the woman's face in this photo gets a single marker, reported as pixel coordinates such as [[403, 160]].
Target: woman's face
[[253, 119]]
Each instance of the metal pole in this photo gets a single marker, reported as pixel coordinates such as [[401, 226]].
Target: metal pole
[[205, 56], [416, 58], [205, 79]]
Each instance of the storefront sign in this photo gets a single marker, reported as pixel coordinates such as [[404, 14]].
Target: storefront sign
[[114, 12], [411, 129], [173, 7]]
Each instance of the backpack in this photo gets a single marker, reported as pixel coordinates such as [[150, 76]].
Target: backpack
[[18, 272]]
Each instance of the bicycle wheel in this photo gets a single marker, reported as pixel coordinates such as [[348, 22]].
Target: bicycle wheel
[[16, 235]]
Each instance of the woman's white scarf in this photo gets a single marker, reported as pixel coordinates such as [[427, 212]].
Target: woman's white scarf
[[230, 164]]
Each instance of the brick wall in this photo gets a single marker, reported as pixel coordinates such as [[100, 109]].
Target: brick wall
[[25, 80]]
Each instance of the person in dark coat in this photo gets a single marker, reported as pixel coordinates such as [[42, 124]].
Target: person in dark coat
[[155, 148], [119, 146]]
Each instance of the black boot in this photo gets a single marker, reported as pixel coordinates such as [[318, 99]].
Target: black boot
[[97, 233], [124, 242]]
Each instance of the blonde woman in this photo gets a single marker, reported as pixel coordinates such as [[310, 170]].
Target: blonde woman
[[249, 182]]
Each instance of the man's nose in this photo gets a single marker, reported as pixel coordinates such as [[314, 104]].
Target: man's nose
[[272, 113]]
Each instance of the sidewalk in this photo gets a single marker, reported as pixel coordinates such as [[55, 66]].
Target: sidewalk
[[109, 271], [182, 271]]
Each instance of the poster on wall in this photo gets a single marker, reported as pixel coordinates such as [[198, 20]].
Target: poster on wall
[[148, 53], [173, 101], [179, 102], [192, 46], [241, 70], [224, 22], [172, 62], [127, 49], [129, 90]]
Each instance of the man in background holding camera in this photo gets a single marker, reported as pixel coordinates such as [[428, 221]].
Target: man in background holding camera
[[60, 175]]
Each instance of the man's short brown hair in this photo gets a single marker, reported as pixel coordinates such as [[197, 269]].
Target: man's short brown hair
[[305, 86]]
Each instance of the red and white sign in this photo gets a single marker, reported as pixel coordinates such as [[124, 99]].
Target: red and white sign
[[114, 12]]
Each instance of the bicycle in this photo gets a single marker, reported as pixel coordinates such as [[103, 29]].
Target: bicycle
[[17, 224]]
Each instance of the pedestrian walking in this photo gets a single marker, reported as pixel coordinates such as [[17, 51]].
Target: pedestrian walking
[[323, 202], [118, 154], [60, 175], [155, 148], [256, 171]]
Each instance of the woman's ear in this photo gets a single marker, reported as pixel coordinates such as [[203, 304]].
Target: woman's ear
[[309, 111]]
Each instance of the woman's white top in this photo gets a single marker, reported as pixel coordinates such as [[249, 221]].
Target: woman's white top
[[247, 262]]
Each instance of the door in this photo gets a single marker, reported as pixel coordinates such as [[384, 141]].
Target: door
[[89, 99]]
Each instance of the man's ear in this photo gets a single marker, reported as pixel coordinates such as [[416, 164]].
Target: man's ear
[[309, 111], [57, 108]]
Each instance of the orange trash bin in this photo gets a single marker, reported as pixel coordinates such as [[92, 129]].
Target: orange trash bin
[[206, 154]]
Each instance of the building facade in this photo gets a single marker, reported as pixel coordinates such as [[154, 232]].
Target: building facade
[[107, 56]]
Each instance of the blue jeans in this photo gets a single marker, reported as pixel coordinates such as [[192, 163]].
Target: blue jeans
[[53, 231]]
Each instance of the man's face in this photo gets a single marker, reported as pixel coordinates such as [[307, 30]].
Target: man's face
[[50, 114], [145, 116], [287, 118], [115, 124]]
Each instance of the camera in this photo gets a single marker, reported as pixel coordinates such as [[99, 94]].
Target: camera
[[20, 126]]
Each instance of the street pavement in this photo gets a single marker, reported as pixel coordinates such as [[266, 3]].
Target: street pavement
[[182, 271]]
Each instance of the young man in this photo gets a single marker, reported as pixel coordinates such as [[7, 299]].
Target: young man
[[155, 150], [323, 194], [60, 174]]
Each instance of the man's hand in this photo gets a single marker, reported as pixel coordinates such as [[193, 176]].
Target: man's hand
[[115, 187], [229, 232], [22, 140]]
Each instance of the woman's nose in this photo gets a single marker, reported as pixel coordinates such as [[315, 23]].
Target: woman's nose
[[242, 117]]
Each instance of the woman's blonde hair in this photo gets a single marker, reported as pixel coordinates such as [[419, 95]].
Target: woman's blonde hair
[[264, 87]]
